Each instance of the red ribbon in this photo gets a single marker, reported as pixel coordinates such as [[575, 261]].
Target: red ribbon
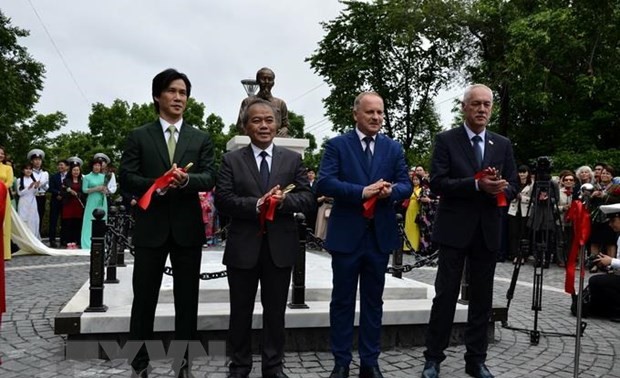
[[500, 197], [3, 196], [580, 217], [161, 183], [267, 212], [369, 207]]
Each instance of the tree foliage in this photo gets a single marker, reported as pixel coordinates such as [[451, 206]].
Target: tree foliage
[[405, 50], [110, 125], [21, 78], [554, 67]]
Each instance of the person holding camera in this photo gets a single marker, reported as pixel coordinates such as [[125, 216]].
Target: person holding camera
[[605, 287]]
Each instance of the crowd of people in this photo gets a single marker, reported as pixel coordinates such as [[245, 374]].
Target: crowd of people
[[474, 204], [550, 209]]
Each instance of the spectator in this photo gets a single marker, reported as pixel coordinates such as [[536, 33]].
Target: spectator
[[27, 206], [56, 201], [73, 207], [41, 178], [6, 179], [93, 186], [517, 215]]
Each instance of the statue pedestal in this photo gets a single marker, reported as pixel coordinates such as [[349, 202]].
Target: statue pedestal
[[297, 145]]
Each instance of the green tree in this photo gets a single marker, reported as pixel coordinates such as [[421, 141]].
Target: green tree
[[404, 50], [33, 133], [109, 125], [215, 127], [21, 80], [553, 66]]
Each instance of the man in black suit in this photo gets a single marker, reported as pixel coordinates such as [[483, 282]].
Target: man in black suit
[[55, 189], [172, 224], [467, 226], [249, 180]]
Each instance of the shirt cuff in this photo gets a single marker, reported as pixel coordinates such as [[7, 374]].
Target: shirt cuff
[[185, 184]]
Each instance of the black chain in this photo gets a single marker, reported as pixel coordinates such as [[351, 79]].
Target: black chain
[[203, 276]]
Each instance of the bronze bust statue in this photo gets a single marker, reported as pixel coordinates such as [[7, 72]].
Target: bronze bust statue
[[266, 78]]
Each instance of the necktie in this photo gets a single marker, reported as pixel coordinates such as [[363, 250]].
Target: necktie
[[172, 142], [367, 150], [264, 170], [477, 150]]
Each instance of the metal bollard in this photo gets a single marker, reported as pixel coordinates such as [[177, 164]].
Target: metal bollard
[[124, 231], [97, 256], [111, 266], [298, 295], [397, 255]]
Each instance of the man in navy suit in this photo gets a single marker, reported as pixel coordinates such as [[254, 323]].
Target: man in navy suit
[[467, 226], [55, 190], [356, 167]]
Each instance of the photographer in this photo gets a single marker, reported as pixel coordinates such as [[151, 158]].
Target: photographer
[[605, 287]]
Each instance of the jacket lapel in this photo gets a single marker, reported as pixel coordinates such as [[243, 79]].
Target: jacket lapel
[[250, 162], [184, 138], [489, 145], [157, 135], [356, 147], [276, 166], [380, 146], [468, 149]]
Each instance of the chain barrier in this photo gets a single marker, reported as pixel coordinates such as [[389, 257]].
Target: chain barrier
[[314, 242]]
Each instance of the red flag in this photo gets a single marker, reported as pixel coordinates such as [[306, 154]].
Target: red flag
[[3, 197], [3, 200], [580, 217]]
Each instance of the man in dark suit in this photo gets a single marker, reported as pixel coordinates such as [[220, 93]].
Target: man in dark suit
[[467, 226], [356, 167], [248, 181], [172, 224], [55, 190]]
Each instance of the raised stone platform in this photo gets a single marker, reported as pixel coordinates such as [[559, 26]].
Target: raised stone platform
[[407, 306]]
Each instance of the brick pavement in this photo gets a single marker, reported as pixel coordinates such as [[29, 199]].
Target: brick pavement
[[38, 287]]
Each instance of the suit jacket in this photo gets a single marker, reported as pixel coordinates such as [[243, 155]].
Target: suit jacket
[[178, 212], [55, 186], [461, 207], [238, 190], [343, 175]]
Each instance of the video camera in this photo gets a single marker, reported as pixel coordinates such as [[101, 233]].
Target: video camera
[[542, 168]]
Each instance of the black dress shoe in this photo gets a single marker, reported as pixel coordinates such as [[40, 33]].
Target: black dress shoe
[[370, 372], [478, 370], [431, 369], [279, 374], [339, 372]]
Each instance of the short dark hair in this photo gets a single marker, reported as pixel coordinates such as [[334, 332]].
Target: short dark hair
[[162, 81], [523, 168], [245, 115], [65, 161]]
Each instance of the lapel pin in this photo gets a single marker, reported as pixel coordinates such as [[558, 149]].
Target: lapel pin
[[490, 142]]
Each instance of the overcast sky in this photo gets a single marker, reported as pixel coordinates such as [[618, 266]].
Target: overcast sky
[[97, 51]]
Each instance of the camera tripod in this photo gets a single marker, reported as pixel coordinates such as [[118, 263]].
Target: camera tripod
[[543, 233]]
